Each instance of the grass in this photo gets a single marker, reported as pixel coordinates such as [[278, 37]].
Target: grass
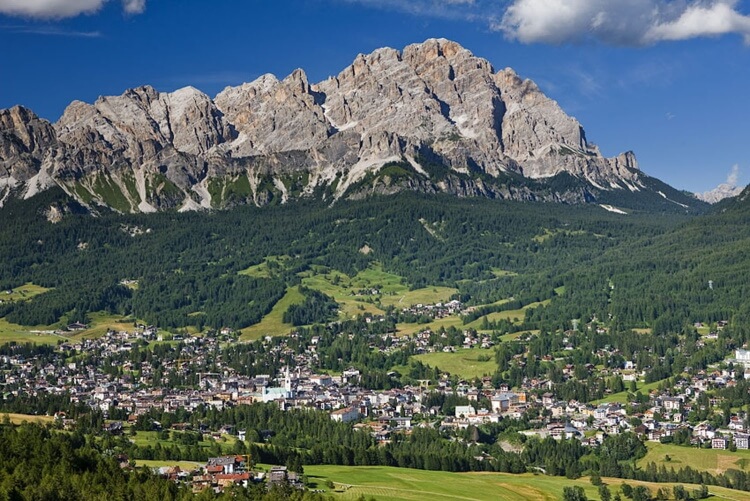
[[23, 292], [399, 484], [464, 363], [100, 322], [622, 397], [499, 273], [273, 323], [22, 334], [338, 286], [26, 418], [391, 288], [515, 316], [540, 239], [144, 438], [154, 463], [427, 295], [435, 325], [710, 460], [263, 270]]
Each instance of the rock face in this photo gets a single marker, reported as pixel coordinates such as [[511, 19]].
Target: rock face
[[431, 118], [25, 142]]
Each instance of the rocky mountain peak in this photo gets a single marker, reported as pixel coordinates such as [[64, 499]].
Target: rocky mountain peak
[[444, 116]]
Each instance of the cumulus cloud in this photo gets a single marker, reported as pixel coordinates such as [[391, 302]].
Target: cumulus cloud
[[632, 22], [59, 9]]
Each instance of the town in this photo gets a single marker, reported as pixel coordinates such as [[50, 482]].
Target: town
[[127, 375]]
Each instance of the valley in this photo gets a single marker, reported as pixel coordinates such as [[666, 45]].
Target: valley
[[497, 336], [416, 278]]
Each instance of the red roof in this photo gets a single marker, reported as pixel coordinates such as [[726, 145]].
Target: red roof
[[234, 476]]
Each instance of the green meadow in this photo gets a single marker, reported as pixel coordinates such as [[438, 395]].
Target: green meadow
[[465, 363], [273, 323], [398, 484], [710, 460]]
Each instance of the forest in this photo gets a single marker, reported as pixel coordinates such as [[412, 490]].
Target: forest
[[640, 270]]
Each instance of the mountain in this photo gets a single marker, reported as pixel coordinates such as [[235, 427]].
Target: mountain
[[721, 192], [431, 118]]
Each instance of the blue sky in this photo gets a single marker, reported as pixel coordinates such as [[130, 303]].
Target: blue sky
[[666, 79]]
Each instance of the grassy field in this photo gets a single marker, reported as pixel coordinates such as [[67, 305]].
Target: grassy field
[[100, 322], [392, 290], [144, 438], [338, 286], [499, 273], [264, 269], [397, 484], [273, 323], [184, 465], [622, 397], [22, 293], [409, 329], [28, 418], [710, 460], [21, 334], [465, 363], [428, 295], [515, 316]]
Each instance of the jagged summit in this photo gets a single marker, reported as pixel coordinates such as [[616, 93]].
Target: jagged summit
[[438, 118]]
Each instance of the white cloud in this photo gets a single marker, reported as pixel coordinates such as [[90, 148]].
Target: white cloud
[[631, 22], [134, 6], [700, 21], [472, 10], [50, 31], [734, 176], [58, 9]]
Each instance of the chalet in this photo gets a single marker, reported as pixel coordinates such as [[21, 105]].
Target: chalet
[[671, 404], [548, 399], [719, 443], [463, 411], [345, 415], [742, 441], [226, 464], [278, 475]]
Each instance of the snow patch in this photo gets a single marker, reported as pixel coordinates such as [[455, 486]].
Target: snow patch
[[612, 209], [670, 200]]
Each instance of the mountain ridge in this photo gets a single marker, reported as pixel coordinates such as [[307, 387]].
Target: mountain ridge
[[431, 118]]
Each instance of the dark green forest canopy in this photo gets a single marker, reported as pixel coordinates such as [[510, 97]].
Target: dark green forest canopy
[[641, 269]]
